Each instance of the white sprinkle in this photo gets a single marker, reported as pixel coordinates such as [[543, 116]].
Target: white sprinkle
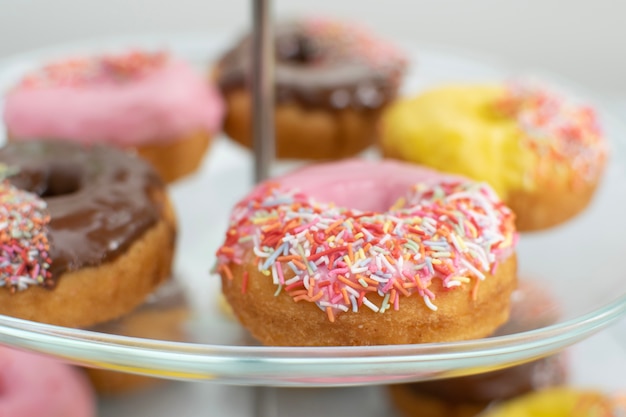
[[293, 280], [371, 305], [429, 303], [473, 269]]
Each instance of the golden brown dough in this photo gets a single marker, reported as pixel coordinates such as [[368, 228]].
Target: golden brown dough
[[94, 295], [179, 158], [282, 322], [305, 133]]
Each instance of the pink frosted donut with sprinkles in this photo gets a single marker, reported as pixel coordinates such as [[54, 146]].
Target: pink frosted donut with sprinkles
[[369, 253], [148, 101]]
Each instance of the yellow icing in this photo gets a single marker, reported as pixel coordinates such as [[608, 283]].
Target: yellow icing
[[457, 129], [555, 402]]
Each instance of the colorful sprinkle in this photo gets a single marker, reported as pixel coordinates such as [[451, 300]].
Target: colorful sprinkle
[[343, 259], [24, 247], [559, 131], [105, 69]]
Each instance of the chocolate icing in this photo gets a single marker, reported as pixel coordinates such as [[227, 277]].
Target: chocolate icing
[[100, 199], [532, 307], [499, 385], [315, 73]]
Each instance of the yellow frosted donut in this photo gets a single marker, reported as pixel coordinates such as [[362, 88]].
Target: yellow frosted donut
[[543, 154], [560, 402]]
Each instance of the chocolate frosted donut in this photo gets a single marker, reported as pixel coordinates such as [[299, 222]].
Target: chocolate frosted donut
[[331, 80], [468, 396], [104, 232], [531, 308]]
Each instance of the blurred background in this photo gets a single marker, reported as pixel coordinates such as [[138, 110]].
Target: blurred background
[[580, 40]]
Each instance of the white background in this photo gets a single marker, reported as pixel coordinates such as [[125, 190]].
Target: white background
[[582, 40]]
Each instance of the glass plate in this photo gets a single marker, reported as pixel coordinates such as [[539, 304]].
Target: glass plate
[[184, 333]]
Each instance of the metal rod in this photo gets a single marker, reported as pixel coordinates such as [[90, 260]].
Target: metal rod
[[262, 89], [265, 402]]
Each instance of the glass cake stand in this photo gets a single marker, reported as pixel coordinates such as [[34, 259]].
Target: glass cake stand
[[184, 333]]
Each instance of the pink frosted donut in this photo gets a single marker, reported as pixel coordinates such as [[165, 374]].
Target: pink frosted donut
[[151, 102], [361, 253], [34, 385]]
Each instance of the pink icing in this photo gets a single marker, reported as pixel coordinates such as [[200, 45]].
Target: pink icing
[[360, 184], [161, 103], [34, 385], [392, 230]]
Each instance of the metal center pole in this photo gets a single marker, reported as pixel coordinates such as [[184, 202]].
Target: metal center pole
[[262, 89], [265, 401]]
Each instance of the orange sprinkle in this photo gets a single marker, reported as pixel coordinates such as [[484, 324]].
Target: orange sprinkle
[[270, 227], [332, 226], [287, 258], [227, 249], [349, 283], [311, 286], [244, 282], [475, 289], [366, 279], [226, 271], [346, 299], [299, 264], [317, 296], [298, 292], [330, 314], [402, 289]]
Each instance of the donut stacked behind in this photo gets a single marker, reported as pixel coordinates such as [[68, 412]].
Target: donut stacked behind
[[363, 253], [89, 234], [332, 80], [468, 396], [148, 102], [542, 152]]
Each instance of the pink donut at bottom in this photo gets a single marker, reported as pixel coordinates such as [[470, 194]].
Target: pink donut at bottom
[[33, 385]]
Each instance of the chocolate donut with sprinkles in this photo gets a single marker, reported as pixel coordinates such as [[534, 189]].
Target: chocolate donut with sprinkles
[[332, 80], [369, 253], [87, 233]]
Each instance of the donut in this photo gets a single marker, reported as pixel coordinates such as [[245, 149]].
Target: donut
[[561, 402], [541, 151], [332, 79], [34, 385], [314, 258], [89, 234], [531, 308], [148, 102], [469, 396], [161, 317]]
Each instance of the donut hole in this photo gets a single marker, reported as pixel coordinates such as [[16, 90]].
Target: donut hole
[[377, 194], [62, 180]]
